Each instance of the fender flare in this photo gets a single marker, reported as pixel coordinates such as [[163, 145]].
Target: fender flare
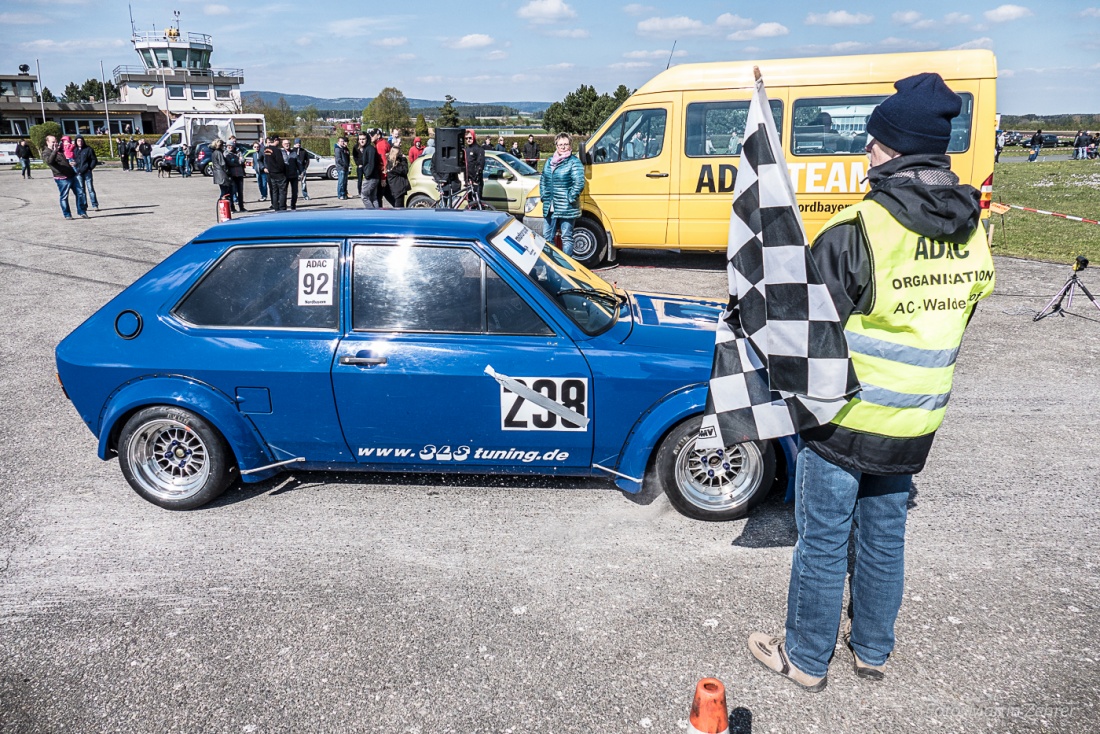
[[645, 437], [206, 401]]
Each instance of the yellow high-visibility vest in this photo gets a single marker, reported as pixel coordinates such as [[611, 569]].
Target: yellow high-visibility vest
[[903, 350]]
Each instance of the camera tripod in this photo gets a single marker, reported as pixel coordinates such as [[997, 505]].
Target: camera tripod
[[1066, 293]]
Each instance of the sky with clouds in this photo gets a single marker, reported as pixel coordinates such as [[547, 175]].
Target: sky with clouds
[[511, 50]]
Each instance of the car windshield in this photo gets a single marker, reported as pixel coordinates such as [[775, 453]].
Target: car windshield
[[517, 165], [589, 301]]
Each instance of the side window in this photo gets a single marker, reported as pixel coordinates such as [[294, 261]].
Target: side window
[[426, 167], [961, 125], [493, 167], [606, 149], [506, 312], [832, 126], [718, 128], [289, 287], [411, 288], [643, 134]]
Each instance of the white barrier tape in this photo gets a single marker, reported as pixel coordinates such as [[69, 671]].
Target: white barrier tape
[[1053, 214], [537, 398]]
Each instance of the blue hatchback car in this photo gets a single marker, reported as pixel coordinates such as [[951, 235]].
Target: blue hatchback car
[[412, 341]]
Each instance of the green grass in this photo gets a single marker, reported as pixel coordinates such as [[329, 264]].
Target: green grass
[[1066, 187]]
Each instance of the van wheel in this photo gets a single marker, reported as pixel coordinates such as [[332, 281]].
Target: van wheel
[[713, 484], [589, 242]]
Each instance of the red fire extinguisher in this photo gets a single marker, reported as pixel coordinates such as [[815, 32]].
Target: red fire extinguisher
[[225, 209]]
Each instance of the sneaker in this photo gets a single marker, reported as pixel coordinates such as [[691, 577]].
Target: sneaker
[[862, 669], [771, 653], [84, 216]]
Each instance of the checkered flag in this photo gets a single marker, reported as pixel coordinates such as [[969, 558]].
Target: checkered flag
[[780, 357]]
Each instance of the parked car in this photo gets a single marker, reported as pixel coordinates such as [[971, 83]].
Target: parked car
[[401, 341], [320, 166], [7, 154], [1013, 137], [508, 180]]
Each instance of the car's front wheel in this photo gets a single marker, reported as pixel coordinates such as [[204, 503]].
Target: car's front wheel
[[713, 484], [589, 242], [420, 201], [174, 458]]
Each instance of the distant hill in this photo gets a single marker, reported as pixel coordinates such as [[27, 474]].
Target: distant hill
[[356, 104]]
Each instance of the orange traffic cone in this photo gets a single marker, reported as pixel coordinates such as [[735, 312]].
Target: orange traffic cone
[[708, 710]]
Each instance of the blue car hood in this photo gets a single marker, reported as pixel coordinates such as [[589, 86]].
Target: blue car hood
[[662, 320]]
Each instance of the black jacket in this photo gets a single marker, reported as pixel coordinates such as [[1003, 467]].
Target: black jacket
[[530, 151], [273, 160], [475, 162], [343, 158], [293, 167], [234, 163], [398, 176], [303, 158], [58, 163], [366, 158], [145, 148], [23, 151], [84, 159], [922, 193]]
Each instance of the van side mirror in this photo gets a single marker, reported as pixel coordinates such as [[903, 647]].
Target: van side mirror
[[586, 159]]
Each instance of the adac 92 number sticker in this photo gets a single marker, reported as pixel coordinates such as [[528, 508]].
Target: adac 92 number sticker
[[518, 413]]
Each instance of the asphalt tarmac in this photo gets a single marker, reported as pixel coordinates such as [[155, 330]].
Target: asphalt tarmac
[[372, 603]]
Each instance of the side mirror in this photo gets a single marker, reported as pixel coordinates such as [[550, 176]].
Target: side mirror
[[585, 158], [509, 176]]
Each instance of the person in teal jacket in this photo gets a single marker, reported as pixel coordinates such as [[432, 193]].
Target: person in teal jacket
[[560, 186]]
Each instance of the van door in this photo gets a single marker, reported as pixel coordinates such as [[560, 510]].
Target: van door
[[632, 168], [714, 130]]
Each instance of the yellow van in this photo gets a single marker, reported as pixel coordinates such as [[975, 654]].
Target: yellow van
[[660, 171]]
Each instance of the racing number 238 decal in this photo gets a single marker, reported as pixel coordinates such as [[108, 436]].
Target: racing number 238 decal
[[517, 413]]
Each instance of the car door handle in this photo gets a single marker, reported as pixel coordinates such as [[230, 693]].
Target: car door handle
[[363, 361], [655, 174]]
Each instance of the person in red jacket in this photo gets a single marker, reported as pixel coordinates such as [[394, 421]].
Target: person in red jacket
[[416, 150]]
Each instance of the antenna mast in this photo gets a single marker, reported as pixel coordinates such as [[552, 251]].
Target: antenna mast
[[670, 55]]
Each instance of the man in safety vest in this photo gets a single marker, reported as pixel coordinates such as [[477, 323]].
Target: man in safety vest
[[906, 267]]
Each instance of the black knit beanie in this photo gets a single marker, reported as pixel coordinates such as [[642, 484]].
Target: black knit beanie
[[917, 119]]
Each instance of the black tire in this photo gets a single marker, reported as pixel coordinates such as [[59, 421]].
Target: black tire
[[207, 170], [695, 481], [331, 173], [420, 201], [156, 163], [174, 458], [589, 242]]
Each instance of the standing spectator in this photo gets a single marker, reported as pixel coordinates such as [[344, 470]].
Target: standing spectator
[[293, 172], [1000, 145], [499, 147], [1081, 145], [531, 152], [398, 167], [561, 185], [303, 163], [514, 150], [260, 168], [131, 152], [370, 168], [358, 156], [64, 176], [84, 161], [1036, 145], [234, 164], [183, 160], [416, 150], [474, 163], [145, 151], [383, 146], [23, 153], [275, 164], [221, 171], [124, 153], [343, 164]]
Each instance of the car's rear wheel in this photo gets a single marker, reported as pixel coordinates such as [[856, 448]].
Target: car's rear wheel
[[420, 201], [713, 484], [331, 173], [174, 458], [589, 242], [207, 170]]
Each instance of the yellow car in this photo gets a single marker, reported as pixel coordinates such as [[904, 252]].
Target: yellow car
[[508, 181]]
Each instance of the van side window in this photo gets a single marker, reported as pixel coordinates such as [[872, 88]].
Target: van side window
[[838, 125], [635, 135], [718, 128]]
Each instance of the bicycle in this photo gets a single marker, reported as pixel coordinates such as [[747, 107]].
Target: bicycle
[[466, 198]]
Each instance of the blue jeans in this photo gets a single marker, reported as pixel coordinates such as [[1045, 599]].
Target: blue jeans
[[566, 226], [86, 187], [147, 163], [185, 168], [341, 183], [25, 164], [64, 186], [261, 181], [827, 499]]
